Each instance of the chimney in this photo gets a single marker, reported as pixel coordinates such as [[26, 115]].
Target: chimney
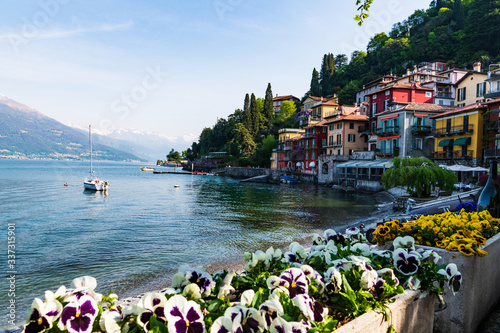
[[276, 95], [407, 71], [477, 66]]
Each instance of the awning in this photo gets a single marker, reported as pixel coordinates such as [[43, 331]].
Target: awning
[[462, 141], [389, 137], [445, 143], [420, 115]]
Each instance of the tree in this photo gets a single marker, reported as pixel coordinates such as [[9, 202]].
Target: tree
[[286, 112], [326, 74], [268, 111], [363, 8], [263, 155], [418, 176], [247, 114], [174, 156], [315, 89], [255, 116], [348, 95], [242, 143]]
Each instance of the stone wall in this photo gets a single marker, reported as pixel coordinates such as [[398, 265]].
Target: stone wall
[[274, 175]]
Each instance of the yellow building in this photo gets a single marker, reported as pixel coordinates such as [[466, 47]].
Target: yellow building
[[459, 134], [471, 88], [315, 109]]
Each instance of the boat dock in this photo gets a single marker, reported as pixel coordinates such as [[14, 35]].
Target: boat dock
[[175, 172]]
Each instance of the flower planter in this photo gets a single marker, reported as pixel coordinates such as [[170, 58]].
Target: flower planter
[[411, 312], [478, 294]]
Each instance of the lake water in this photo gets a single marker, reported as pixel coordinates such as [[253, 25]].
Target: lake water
[[144, 228]]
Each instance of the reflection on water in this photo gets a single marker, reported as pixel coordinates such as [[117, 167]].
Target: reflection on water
[[143, 228]]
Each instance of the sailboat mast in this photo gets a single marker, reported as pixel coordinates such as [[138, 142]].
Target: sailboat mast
[[90, 143]]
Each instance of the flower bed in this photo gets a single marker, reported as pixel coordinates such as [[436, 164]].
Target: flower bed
[[458, 237], [340, 278]]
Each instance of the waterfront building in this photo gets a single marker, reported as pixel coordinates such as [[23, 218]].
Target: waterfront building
[[281, 155], [491, 138], [314, 143], [405, 130], [459, 135], [344, 134], [278, 100], [472, 87], [380, 100], [315, 109]]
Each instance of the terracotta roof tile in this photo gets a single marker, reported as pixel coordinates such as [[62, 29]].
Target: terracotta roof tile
[[400, 86], [464, 108], [284, 98]]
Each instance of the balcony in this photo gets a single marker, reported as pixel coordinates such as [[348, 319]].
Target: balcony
[[454, 130], [362, 129], [493, 94], [452, 154], [387, 154], [388, 131], [443, 94], [489, 153], [421, 130], [287, 148]]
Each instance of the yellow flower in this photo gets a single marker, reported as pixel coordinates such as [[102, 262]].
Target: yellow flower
[[465, 249], [481, 253]]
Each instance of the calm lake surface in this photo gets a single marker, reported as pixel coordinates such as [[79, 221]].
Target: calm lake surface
[[136, 236]]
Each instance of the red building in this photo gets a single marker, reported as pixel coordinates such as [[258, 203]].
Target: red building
[[380, 100], [492, 128], [314, 143]]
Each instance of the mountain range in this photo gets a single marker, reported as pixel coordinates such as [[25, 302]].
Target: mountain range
[[27, 133]]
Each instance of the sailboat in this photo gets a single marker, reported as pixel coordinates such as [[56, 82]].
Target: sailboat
[[93, 183]]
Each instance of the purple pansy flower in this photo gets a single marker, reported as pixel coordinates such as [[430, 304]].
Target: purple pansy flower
[[297, 282], [239, 319], [280, 325], [337, 238], [310, 308], [184, 316], [187, 275], [270, 310], [454, 277], [296, 254], [78, 315], [151, 304], [333, 280], [42, 315], [406, 263]]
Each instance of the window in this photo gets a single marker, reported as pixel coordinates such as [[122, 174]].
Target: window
[[428, 94], [480, 89], [374, 96], [339, 139], [440, 102], [351, 125], [313, 144], [307, 144], [461, 94], [387, 92], [386, 104], [330, 128], [338, 151], [307, 155], [313, 155], [339, 126], [351, 137], [374, 109], [417, 143], [330, 140]]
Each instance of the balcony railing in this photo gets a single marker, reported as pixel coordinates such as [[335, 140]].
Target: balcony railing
[[453, 154], [460, 129], [443, 94], [388, 131], [493, 94], [491, 153], [421, 130], [362, 129], [287, 148]]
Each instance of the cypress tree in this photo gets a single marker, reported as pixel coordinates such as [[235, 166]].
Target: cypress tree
[[315, 89], [247, 116], [268, 107], [326, 73], [255, 115]]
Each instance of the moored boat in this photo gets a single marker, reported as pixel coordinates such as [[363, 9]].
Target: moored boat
[[147, 169], [93, 183]]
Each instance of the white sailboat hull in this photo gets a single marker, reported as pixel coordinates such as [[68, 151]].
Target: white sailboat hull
[[95, 185]]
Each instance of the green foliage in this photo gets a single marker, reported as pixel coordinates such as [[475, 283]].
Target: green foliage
[[418, 176], [255, 116], [363, 8], [287, 111], [315, 88], [268, 111], [174, 156]]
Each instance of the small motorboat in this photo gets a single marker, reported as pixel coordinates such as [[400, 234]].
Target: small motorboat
[[288, 179], [440, 205], [147, 169]]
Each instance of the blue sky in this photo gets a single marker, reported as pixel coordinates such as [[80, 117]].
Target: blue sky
[[172, 67]]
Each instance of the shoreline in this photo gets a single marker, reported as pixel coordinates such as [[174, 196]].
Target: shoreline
[[160, 284]]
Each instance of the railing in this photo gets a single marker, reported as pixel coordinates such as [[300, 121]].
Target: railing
[[491, 153], [287, 148], [421, 130], [362, 129], [453, 154], [444, 94], [460, 129], [492, 94], [310, 135], [391, 130]]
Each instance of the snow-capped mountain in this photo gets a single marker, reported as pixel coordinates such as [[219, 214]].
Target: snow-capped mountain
[[149, 145]]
